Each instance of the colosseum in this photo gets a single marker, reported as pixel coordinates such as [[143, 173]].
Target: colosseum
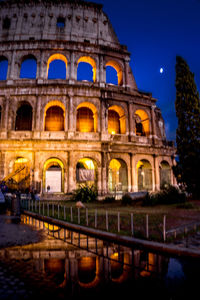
[[70, 109]]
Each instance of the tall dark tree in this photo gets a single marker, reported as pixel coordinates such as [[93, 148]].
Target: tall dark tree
[[187, 106]]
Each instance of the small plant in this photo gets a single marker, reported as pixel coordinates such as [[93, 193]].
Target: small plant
[[85, 194]]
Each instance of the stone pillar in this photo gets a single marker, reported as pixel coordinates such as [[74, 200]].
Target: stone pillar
[[131, 119], [104, 162], [104, 120], [133, 174], [156, 173], [71, 120], [42, 69], [153, 124], [126, 72], [12, 69], [6, 108], [71, 171], [102, 71], [73, 69]]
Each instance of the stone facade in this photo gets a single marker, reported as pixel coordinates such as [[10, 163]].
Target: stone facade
[[54, 128]]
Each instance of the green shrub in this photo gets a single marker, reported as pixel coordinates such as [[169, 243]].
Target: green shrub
[[126, 199], [168, 195], [85, 193]]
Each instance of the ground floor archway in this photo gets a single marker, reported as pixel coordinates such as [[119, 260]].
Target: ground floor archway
[[117, 176], [53, 177], [165, 174], [144, 175], [86, 172]]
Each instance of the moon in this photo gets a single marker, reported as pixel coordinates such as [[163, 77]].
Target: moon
[[161, 70]]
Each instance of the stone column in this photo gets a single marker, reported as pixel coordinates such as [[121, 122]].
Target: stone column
[[72, 75], [102, 71], [133, 174], [131, 119], [153, 124], [104, 172], [71, 120], [5, 120], [156, 173], [104, 120], [71, 171], [12, 69]]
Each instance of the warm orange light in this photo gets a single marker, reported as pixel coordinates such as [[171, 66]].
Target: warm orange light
[[118, 69], [86, 119], [91, 61], [116, 120], [56, 56], [144, 120]]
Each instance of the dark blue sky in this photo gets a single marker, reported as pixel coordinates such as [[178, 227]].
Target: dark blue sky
[[155, 31]]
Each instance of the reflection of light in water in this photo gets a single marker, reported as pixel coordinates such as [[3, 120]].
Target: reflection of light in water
[[175, 270]]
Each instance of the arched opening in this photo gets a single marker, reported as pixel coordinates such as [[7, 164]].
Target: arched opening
[[141, 123], [87, 269], [116, 120], [3, 68], [28, 67], [54, 116], [117, 176], [165, 174], [55, 267], [86, 117], [19, 178], [57, 67], [86, 69], [144, 174], [113, 73], [86, 172], [24, 117], [53, 180]]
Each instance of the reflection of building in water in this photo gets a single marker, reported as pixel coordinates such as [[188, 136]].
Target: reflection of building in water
[[74, 268], [67, 126]]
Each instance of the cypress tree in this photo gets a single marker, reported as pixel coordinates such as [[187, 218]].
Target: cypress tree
[[187, 106]]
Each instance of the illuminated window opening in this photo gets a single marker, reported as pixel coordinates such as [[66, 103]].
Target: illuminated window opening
[[144, 173], [28, 68], [86, 118], [117, 176], [57, 67], [3, 68], [117, 68], [24, 118], [116, 120], [86, 72], [142, 124], [111, 76]]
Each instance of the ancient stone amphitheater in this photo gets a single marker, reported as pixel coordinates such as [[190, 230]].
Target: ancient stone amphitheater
[[70, 110]]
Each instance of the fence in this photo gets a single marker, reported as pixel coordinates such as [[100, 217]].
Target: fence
[[143, 226]]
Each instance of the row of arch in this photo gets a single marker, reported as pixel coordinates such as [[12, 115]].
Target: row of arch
[[86, 118], [87, 173], [57, 68]]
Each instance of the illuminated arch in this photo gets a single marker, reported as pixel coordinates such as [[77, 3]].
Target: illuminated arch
[[56, 182], [88, 271], [91, 61], [19, 176], [142, 126], [144, 175], [119, 266], [116, 120], [55, 122], [117, 175], [86, 171], [57, 56], [165, 174], [86, 121], [117, 67]]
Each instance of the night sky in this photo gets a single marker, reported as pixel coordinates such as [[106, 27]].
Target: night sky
[[155, 31]]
